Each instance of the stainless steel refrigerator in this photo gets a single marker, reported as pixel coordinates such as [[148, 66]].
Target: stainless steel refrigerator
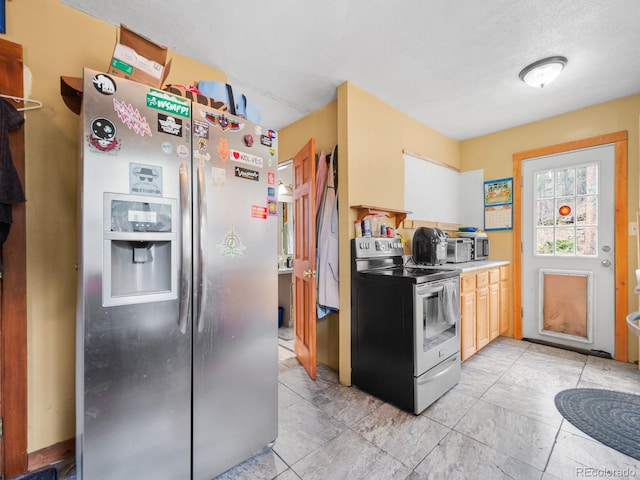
[[177, 301]]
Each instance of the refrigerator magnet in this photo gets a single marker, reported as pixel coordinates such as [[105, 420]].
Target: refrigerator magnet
[[219, 176], [145, 179], [231, 245], [200, 129], [223, 149], [258, 211], [272, 207], [247, 158], [222, 122], [104, 84], [169, 125], [132, 118], [103, 135]]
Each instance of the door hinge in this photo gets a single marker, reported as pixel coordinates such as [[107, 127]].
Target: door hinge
[[521, 247], [521, 312], [1, 434]]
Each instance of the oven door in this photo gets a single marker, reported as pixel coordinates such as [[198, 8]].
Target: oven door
[[436, 323]]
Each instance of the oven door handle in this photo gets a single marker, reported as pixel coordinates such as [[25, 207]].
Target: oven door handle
[[430, 290], [452, 361]]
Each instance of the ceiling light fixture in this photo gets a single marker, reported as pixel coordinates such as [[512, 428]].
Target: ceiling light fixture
[[541, 73]]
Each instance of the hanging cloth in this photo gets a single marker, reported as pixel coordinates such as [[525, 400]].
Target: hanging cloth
[[10, 187], [328, 285]]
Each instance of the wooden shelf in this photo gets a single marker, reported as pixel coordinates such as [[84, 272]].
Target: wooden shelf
[[364, 210]]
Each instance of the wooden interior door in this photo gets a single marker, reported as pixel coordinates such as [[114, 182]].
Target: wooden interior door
[[13, 303], [304, 260]]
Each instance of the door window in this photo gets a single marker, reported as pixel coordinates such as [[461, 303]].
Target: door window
[[567, 211]]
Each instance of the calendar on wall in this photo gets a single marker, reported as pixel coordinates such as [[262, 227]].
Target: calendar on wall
[[498, 204]]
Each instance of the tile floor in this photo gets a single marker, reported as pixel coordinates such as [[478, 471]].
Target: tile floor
[[499, 422]]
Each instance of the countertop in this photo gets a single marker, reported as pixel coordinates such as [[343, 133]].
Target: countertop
[[470, 266], [284, 270]]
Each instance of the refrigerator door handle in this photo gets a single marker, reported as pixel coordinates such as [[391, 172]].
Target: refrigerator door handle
[[185, 268], [202, 225]]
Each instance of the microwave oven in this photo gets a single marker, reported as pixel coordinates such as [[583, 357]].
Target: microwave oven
[[480, 248]]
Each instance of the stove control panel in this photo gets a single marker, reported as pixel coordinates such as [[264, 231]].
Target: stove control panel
[[377, 247]]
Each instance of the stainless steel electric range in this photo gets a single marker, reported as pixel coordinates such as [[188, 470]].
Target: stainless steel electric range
[[405, 326]]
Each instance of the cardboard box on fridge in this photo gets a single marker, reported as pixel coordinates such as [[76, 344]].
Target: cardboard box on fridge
[[139, 59]]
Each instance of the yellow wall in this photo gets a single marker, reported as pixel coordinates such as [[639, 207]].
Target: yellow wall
[[321, 124], [494, 153], [58, 40], [371, 171]]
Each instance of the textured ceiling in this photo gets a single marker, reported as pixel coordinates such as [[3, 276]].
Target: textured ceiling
[[451, 65]]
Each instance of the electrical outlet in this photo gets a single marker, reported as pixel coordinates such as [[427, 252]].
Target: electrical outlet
[[633, 228]]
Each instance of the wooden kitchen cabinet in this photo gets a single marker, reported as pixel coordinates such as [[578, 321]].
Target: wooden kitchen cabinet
[[484, 307], [468, 312], [505, 300], [482, 312]]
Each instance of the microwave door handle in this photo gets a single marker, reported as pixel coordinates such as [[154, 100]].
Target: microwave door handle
[[202, 241], [185, 240]]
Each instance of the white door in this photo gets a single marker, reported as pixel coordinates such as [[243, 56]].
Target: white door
[[568, 275]]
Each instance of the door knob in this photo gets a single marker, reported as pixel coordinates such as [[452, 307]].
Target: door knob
[[606, 248], [606, 263], [309, 273]]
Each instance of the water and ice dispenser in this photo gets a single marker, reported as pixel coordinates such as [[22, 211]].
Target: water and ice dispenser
[[140, 249]]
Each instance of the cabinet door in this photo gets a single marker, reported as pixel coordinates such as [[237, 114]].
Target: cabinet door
[[494, 310], [505, 300], [482, 317], [468, 324]]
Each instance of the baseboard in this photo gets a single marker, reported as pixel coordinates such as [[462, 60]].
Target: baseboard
[[52, 454]]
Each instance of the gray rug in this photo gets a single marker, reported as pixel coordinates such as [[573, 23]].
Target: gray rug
[[612, 418]]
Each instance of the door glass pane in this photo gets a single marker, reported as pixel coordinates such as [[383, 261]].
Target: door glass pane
[[545, 213], [587, 210], [565, 241], [587, 179], [437, 327], [565, 211], [587, 241], [544, 241], [544, 183], [567, 198], [565, 182]]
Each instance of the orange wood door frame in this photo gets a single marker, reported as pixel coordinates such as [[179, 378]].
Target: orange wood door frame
[[304, 264], [13, 306], [619, 139]]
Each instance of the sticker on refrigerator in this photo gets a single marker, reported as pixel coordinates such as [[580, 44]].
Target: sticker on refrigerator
[[132, 118], [248, 140], [272, 152], [201, 158], [231, 245], [258, 211], [272, 207], [103, 135], [271, 178], [167, 148], [247, 173], [266, 141], [247, 158], [145, 179], [169, 125], [271, 192], [183, 151], [219, 176], [222, 122], [258, 130], [271, 134], [168, 103], [200, 129], [223, 149], [202, 145], [104, 84]]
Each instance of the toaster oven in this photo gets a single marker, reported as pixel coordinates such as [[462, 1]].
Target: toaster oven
[[459, 250]]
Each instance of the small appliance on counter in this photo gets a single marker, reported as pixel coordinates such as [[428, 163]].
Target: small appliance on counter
[[459, 250], [479, 242], [429, 246]]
